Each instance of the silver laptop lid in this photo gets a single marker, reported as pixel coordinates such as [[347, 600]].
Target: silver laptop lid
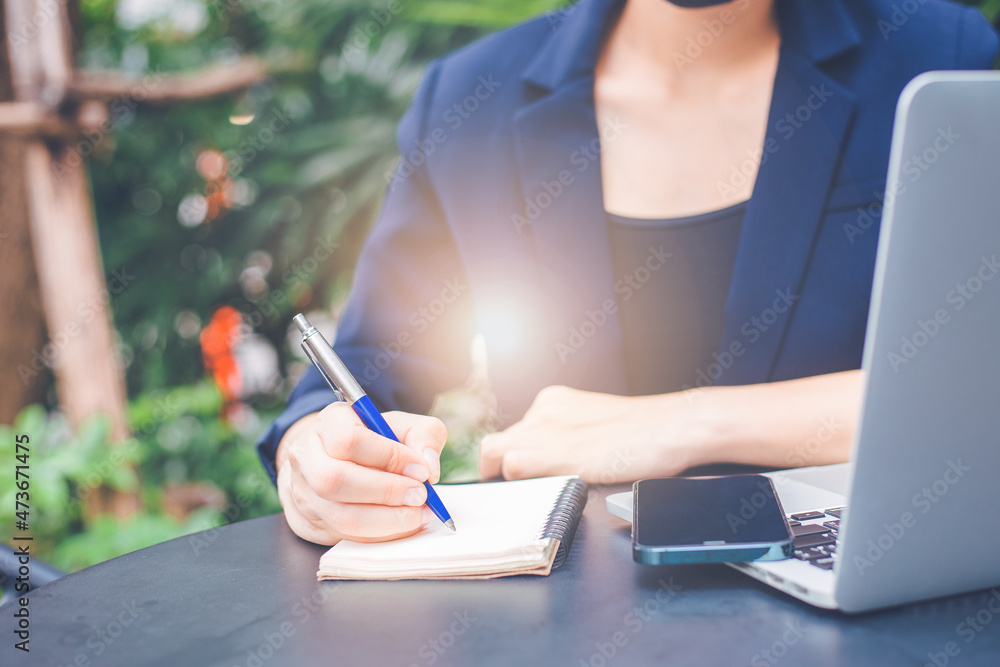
[[926, 457]]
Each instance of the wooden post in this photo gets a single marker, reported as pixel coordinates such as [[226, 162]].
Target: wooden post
[[82, 350], [22, 336], [52, 102]]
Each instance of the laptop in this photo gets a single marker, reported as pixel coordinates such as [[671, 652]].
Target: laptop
[[909, 518]]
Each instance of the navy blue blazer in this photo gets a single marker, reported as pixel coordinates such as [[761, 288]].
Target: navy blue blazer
[[495, 221]]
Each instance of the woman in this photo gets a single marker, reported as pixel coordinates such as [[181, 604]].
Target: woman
[[663, 218]]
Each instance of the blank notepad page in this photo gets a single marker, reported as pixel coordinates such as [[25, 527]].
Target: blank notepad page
[[499, 532]]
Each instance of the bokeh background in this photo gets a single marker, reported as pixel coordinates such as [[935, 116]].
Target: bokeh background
[[221, 230]]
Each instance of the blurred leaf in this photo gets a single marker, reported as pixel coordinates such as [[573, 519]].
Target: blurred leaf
[[492, 14]]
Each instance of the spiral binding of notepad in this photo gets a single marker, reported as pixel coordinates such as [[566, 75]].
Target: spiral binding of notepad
[[564, 518]]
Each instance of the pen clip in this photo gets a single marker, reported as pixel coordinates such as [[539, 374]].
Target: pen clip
[[319, 367]]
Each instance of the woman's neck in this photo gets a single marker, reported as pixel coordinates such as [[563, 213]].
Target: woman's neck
[[683, 45]]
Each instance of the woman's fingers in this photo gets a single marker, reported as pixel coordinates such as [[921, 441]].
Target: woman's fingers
[[490, 457], [532, 436], [329, 519], [343, 481], [501, 456], [426, 435], [348, 482], [377, 523], [345, 437], [493, 448], [302, 519], [527, 463]]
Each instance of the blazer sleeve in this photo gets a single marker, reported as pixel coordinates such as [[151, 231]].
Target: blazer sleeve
[[977, 41], [407, 328]]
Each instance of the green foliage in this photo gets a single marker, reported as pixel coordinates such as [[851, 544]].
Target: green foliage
[[183, 439], [991, 8], [492, 15], [460, 459], [179, 437]]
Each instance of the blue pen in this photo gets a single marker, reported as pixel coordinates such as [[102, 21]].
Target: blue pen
[[347, 388]]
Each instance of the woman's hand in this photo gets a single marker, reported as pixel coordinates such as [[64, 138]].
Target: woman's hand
[[606, 438], [339, 480], [601, 437]]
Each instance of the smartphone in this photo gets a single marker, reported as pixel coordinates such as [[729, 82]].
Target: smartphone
[[726, 519]]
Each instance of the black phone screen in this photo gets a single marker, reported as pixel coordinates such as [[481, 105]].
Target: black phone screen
[[707, 510]]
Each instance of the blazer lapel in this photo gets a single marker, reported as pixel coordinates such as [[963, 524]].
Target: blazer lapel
[[559, 157], [809, 117]]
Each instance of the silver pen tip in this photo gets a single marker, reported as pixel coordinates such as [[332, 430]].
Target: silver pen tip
[[451, 524], [302, 323]]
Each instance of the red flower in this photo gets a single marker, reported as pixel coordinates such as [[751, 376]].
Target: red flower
[[219, 339]]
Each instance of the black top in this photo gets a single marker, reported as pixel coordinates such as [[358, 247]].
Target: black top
[[672, 279]]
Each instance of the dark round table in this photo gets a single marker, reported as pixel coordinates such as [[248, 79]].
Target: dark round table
[[246, 595]]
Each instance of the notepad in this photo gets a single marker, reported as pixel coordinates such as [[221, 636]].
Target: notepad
[[504, 529]]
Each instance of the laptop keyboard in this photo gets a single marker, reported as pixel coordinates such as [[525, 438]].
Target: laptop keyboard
[[816, 536]]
